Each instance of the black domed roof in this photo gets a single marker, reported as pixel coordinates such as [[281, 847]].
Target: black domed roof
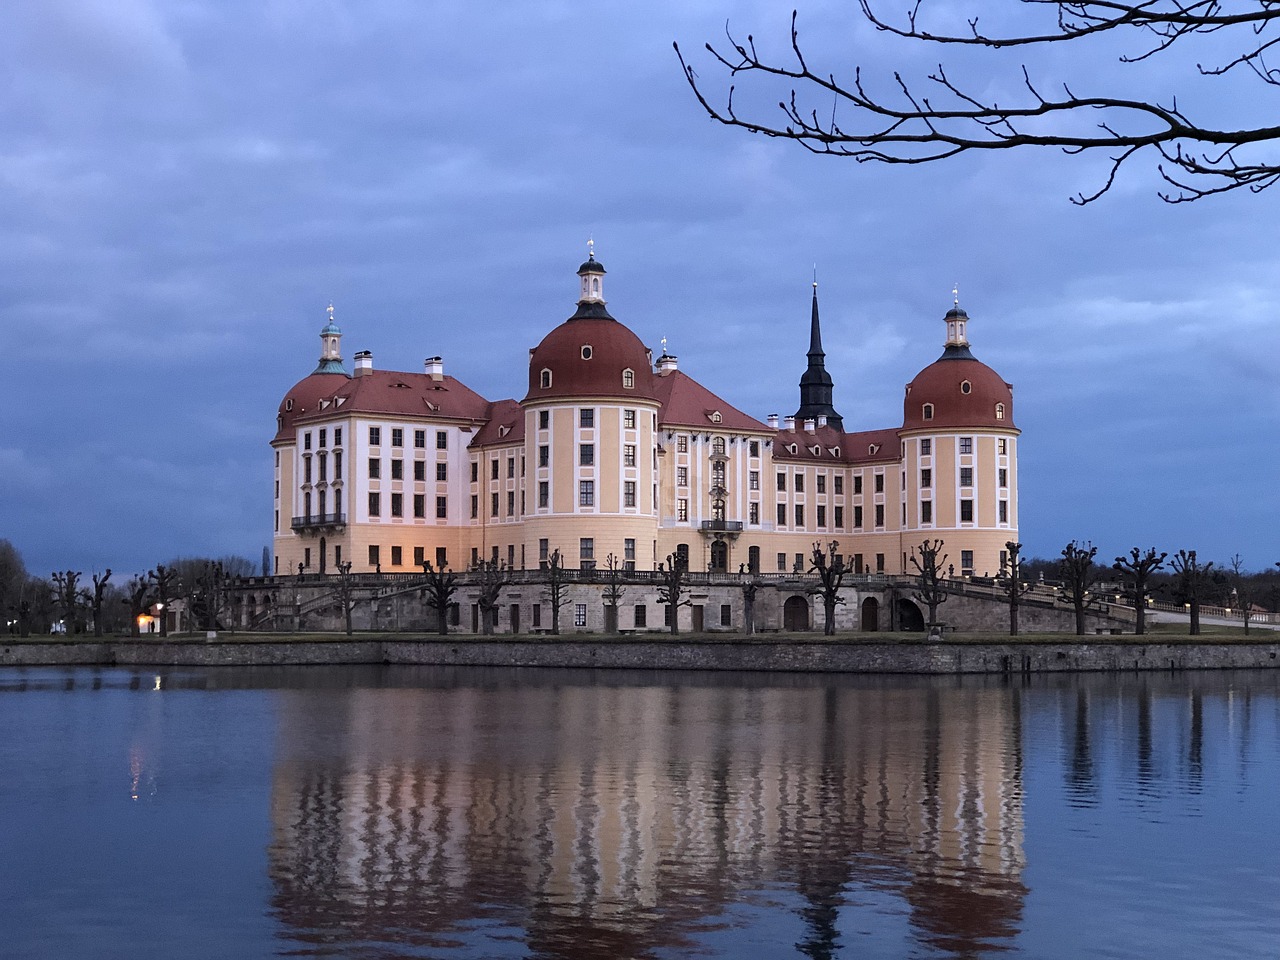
[[591, 265]]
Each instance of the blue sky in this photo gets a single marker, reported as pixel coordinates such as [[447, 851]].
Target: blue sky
[[184, 187]]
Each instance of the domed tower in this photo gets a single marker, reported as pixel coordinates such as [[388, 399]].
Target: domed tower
[[590, 426], [960, 456]]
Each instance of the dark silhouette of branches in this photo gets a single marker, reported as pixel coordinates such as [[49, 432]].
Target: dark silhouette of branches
[[928, 559], [1137, 568], [1076, 570], [166, 581], [138, 598], [672, 589], [922, 121], [99, 589], [613, 592], [829, 566], [1014, 586], [1191, 578], [68, 595], [557, 587], [490, 577], [440, 588]]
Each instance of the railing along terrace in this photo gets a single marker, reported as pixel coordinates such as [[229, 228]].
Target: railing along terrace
[[318, 520]]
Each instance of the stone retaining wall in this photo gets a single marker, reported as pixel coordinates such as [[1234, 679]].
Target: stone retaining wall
[[648, 654]]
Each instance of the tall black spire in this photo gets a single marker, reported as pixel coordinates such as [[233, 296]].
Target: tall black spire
[[815, 384]]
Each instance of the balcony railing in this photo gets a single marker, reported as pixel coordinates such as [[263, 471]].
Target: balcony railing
[[722, 526], [313, 520]]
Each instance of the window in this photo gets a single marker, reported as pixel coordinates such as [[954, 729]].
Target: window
[[397, 469], [782, 482], [544, 419], [999, 411], [397, 440], [857, 518], [799, 514], [879, 483], [586, 454], [753, 480], [397, 504], [822, 483], [839, 484], [629, 493], [375, 504], [475, 506], [799, 482], [928, 411], [442, 508], [726, 615], [420, 439], [966, 444], [839, 518], [337, 465], [642, 615], [475, 471], [396, 557], [337, 436], [629, 419], [1004, 477], [966, 387], [579, 614], [926, 447], [586, 351], [799, 564], [822, 515], [511, 503], [442, 558], [1004, 511], [879, 563], [926, 511], [420, 470], [753, 448], [419, 556], [782, 514], [926, 478], [306, 469], [966, 563], [717, 444], [375, 468], [375, 436], [545, 379], [493, 469], [629, 548], [493, 504], [1003, 447], [879, 514], [306, 441], [966, 511], [682, 476], [544, 552], [682, 510], [782, 563], [511, 468], [544, 493], [586, 418], [628, 379], [544, 456], [419, 505], [966, 476], [374, 560], [629, 455], [442, 472], [586, 549], [857, 484], [586, 493], [753, 512], [682, 444]]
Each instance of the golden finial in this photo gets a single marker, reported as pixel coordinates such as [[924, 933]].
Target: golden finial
[[329, 310], [955, 295], [591, 248]]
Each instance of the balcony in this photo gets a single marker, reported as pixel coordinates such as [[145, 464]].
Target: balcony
[[721, 526], [318, 521]]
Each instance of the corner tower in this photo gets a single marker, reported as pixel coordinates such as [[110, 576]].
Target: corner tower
[[815, 384], [331, 348]]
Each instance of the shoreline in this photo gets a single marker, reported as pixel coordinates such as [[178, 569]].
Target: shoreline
[[674, 653]]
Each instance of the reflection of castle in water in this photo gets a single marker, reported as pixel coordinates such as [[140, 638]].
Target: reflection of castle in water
[[615, 821]]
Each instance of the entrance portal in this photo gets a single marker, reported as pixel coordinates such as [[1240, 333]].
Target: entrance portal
[[870, 614], [795, 614], [910, 618], [719, 556]]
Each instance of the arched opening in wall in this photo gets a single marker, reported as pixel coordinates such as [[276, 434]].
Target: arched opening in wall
[[753, 559], [719, 556], [910, 617], [870, 615], [323, 556], [682, 555], [795, 614]]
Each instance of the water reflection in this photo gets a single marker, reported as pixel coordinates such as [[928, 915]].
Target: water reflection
[[606, 821]]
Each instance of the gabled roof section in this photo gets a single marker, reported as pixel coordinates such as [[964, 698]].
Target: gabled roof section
[[829, 445], [687, 403], [505, 426]]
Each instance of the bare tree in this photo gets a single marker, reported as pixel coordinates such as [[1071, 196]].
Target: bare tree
[[440, 588], [829, 566], [1013, 586], [1191, 579], [99, 588], [557, 588], [1242, 597], [921, 121], [1076, 570], [749, 590], [166, 581], [138, 599], [1138, 568], [613, 592], [346, 592], [491, 576], [672, 589], [68, 595], [928, 559]]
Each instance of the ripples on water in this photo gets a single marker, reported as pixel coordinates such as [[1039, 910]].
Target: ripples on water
[[402, 812]]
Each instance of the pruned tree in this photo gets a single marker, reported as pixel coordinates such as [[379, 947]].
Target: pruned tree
[[440, 587], [490, 577], [1137, 568], [166, 584], [69, 597], [1014, 586], [613, 592], [672, 588], [1190, 579], [557, 592], [1075, 569], [1242, 596], [914, 121], [928, 559], [829, 566], [346, 592], [749, 590], [208, 593], [99, 590], [138, 598]]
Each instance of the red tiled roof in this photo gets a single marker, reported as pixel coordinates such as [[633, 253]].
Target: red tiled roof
[[940, 384], [613, 349], [505, 426], [836, 446], [383, 393], [687, 403]]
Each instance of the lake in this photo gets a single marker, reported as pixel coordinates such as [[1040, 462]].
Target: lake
[[472, 813]]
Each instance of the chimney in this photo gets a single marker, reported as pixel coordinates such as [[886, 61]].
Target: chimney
[[364, 363], [808, 426], [822, 420], [434, 368], [666, 364], [773, 421], [791, 423]]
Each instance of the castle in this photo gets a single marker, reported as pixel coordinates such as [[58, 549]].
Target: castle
[[614, 457]]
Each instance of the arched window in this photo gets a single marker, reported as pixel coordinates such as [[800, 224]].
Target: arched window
[[928, 411], [717, 445], [966, 386], [628, 379], [288, 404], [999, 411], [586, 351], [546, 379], [595, 285]]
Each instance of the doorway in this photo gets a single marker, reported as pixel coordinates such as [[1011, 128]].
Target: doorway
[[795, 614], [870, 614]]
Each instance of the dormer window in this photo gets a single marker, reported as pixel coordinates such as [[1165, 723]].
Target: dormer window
[[288, 404], [546, 379], [966, 386], [586, 351], [792, 447], [873, 449], [628, 379], [999, 411], [715, 417], [928, 411]]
